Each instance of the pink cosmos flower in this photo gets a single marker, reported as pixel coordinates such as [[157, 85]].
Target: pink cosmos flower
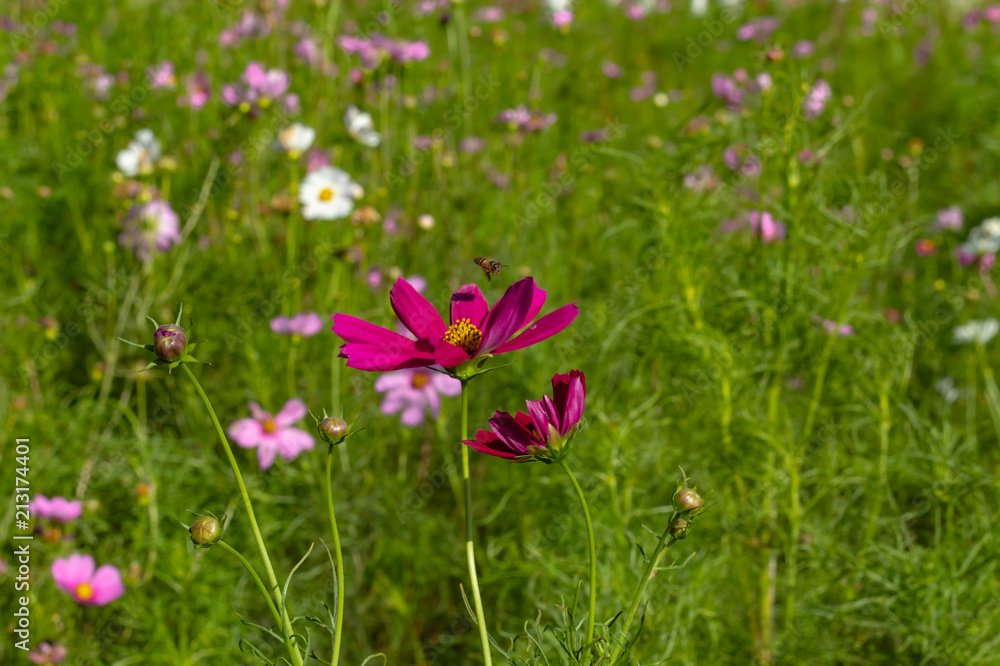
[[162, 75], [611, 70], [727, 90], [307, 50], [59, 509], [259, 87], [815, 100], [304, 324], [526, 120], [547, 424], [76, 576], [562, 18], [949, 218], [47, 654], [414, 393], [198, 91], [843, 330], [273, 435], [475, 329], [318, 158], [150, 227], [803, 49], [766, 227]]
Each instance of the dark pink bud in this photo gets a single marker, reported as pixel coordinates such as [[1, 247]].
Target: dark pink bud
[[169, 342]]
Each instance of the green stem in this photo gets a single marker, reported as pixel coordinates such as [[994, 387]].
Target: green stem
[[593, 554], [666, 540], [470, 550], [272, 579], [253, 574], [338, 630]]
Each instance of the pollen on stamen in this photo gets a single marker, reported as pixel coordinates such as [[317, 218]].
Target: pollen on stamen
[[463, 333]]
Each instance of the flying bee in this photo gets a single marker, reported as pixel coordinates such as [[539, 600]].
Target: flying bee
[[490, 267]]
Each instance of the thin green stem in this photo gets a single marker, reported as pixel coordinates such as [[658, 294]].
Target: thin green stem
[[338, 629], [272, 579], [593, 554], [253, 574], [470, 550], [666, 540]]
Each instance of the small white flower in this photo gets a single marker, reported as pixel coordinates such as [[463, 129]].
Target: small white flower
[[361, 127], [946, 389], [327, 194], [425, 222], [140, 155], [979, 331], [991, 227], [296, 139]]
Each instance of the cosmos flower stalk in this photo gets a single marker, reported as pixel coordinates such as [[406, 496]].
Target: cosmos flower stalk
[[544, 434]]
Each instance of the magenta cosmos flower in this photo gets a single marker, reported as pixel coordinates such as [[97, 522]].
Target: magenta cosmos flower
[[475, 330], [272, 435], [414, 393], [76, 576], [58, 508], [543, 429]]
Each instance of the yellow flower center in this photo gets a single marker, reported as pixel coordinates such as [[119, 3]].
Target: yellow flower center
[[420, 380], [84, 591], [465, 335], [325, 194], [270, 425]]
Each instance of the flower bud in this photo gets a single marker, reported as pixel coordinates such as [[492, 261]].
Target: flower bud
[[205, 532], [333, 429], [687, 500], [169, 342], [679, 529]]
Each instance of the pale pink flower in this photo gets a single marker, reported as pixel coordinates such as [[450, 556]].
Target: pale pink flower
[[58, 508], [843, 330], [815, 100], [47, 654], [151, 227], [562, 18], [949, 218], [273, 435], [77, 577], [304, 324], [415, 392], [162, 75]]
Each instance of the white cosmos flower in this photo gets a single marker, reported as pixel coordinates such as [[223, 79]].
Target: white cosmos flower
[[140, 155], [360, 126], [296, 139], [327, 194], [979, 331], [946, 389]]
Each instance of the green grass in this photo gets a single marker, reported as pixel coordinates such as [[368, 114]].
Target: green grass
[[851, 512]]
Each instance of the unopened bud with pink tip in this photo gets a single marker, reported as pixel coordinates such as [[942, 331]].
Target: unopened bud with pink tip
[[333, 429], [170, 342]]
